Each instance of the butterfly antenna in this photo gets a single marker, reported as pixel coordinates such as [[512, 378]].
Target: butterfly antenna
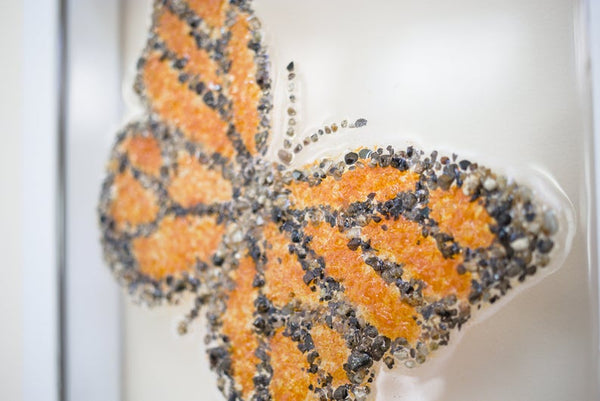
[[285, 154], [292, 147]]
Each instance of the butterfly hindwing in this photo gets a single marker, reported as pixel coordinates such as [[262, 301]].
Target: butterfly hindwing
[[279, 335], [160, 221]]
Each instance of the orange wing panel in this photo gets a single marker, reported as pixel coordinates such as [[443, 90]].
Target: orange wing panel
[[144, 153], [354, 186], [132, 204], [211, 11], [290, 379], [237, 325], [468, 222], [333, 352], [404, 243], [379, 302], [244, 91], [194, 183], [176, 246], [178, 105], [283, 272], [176, 35]]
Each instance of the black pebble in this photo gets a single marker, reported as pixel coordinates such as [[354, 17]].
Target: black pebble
[[254, 46], [259, 324], [380, 345], [312, 356], [371, 331], [217, 260], [354, 243], [200, 88], [358, 360], [262, 304], [340, 393], [504, 219], [180, 63], [545, 245], [351, 158], [261, 380], [209, 99]]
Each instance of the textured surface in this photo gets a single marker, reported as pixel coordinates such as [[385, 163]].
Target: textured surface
[[398, 246]]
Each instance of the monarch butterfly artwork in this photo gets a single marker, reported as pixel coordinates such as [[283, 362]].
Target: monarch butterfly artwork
[[312, 279]]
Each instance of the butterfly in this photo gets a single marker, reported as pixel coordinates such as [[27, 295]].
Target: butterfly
[[311, 279]]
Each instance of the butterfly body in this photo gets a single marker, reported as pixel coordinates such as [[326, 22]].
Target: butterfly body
[[311, 278]]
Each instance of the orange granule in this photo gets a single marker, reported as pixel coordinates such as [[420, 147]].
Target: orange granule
[[211, 11], [244, 91], [194, 183], [468, 222], [354, 186], [333, 353], [404, 243], [177, 245], [380, 303], [290, 371], [143, 153], [176, 35], [283, 272], [237, 326], [132, 203], [178, 105]]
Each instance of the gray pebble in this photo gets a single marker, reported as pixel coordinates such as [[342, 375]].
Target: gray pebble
[[284, 156], [520, 244], [550, 224], [490, 184], [361, 122]]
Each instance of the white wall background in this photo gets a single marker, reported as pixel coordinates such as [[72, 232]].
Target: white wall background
[[93, 360], [29, 106], [11, 31], [27, 113]]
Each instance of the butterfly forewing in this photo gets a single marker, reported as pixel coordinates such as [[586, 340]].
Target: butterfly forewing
[[416, 244], [204, 72], [168, 177]]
